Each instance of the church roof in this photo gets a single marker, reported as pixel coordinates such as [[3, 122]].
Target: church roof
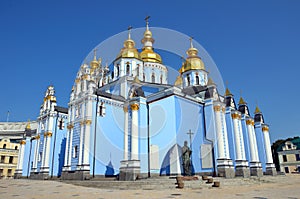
[[61, 109], [109, 95]]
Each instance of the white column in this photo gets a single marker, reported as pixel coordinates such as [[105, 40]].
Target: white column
[[255, 142], [81, 143], [86, 146], [134, 132], [251, 141], [265, 130], [21, 156], [36, 152], [47, 137], [237, 136], [220, 139], [67, 146], [70, 147], [125, 133], [87, 134], [227, 155]]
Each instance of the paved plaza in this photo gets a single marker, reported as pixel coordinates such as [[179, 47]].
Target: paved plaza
[[259, 188]]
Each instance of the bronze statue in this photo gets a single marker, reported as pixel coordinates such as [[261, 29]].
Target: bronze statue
[[186, 159]]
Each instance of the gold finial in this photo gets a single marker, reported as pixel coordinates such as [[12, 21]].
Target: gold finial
[[147, 22], [28, 124], [242, 101], [257, 110], [129, 32], [227, 92], [191, 42]]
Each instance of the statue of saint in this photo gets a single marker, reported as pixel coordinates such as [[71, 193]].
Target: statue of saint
[[186, 159]]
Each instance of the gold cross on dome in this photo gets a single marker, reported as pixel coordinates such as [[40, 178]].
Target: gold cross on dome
[[147, 21], [191, 41]]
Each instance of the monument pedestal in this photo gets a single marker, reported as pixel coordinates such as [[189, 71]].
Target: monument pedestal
[[270, 169], [129, 170], [255, 169], [242, 168], [225, 168]]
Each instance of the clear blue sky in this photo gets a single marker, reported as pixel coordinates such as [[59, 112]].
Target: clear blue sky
[[255, 44]]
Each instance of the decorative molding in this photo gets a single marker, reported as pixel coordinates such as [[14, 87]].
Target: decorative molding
[[236, 116], [48, 134], [70, 126], [223, 109], [134, 107], [88, 122], [217, 108], [265, 128], [125, 108], [85, 77], [250, 122], [23, 142]]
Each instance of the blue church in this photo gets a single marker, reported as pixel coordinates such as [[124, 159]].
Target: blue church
[[128, 121]]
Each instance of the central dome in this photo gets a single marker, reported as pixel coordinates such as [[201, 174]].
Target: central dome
[[147, 54]]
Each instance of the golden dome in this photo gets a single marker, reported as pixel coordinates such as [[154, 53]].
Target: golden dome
[[193, 61], [178, 81], [129, 50], [94, 63], [28, 125], [147, 54]]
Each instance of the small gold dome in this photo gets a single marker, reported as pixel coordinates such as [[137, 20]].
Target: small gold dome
[[178, 81], [129, 50], [94, 63], [193, 61]]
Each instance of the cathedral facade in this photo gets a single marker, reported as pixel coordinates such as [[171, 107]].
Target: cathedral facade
[[128, 121]]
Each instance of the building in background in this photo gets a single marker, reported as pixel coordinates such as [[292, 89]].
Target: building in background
[[11, 134], [288, 155], [8, 157], [128, 120]]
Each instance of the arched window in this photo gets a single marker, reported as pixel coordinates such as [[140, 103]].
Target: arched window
[[144, 77], [61, 124], [188, 80], [75, 151], [4, 146], [102, 110], [138, 70], [118, 70], [197, 80], [16, 147], [40, 156], [161, 79], [112, 74], [153, 78], [127, 69]]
